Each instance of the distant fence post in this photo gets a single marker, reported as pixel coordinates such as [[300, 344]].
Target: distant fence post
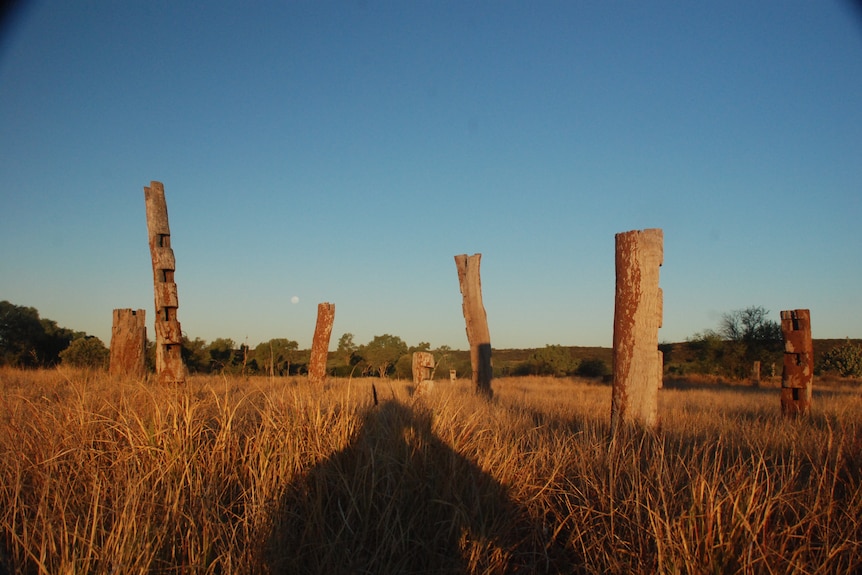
[[453, 374], [798, 374], [755, 373], [637, 318], [478, 335], [129, 343], [320, 345], [169, 336]]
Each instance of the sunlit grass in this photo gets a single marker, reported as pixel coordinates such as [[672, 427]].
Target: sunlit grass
[[257, 475]]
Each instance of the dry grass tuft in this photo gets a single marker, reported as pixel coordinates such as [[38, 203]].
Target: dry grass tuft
[[231, 475]]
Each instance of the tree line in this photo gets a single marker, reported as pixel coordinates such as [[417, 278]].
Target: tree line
[[742, 337]]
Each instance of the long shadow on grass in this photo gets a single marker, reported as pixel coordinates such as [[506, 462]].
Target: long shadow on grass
[[399, 500]]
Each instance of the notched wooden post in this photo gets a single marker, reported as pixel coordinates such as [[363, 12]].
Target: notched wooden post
[[129, 343], [423, 367], [478, 335], [169, 337], [637, 318], [320, 345], [798, 374]]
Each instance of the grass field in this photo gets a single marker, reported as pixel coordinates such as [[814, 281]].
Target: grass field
[[232, 475]]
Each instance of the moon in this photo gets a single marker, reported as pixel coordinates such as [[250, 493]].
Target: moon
[[294, 299]]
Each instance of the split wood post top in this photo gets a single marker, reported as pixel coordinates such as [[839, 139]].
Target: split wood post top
[[169, 337], [320, 344], [797, 378], [478, 335], [637, 318]]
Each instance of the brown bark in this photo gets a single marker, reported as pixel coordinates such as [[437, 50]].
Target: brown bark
[[169, 361], [637, 318], [478, 335], [320, 345], [798, 375], [129, 343]]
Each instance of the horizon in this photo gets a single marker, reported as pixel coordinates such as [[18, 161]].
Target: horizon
[[345, 153]]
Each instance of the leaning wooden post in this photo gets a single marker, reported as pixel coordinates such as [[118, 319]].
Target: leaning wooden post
[[478, 335], [798, 374], [320, 345], [129, 343], [637, 318], [169, 337]]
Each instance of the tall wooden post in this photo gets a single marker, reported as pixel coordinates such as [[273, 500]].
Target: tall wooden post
[[477, 322], [798, 374], [755, 373], [637, 318], [129, 343], [320, 345], [169, 337]]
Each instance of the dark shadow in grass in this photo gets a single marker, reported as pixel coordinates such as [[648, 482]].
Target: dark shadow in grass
[[399, 500]]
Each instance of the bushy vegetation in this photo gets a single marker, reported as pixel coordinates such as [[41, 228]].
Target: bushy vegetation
[[844, 359], [239, 475]]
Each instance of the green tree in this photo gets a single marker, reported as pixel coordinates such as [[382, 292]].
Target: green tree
[[88, 351], [26, 340], [553, 360], [346, 349], [844, 359], [275, 356], [751, 336], [382, 352], [221, 354], [196, 355]]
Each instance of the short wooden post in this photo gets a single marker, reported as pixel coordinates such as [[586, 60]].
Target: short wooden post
[[129, 343], [478, 335], [637, 318], [320, 345], [755, 373], [423, 365], [798, 374], [169, 336], [453, 374]]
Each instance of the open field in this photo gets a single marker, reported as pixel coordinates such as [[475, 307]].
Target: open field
[[231, 475]]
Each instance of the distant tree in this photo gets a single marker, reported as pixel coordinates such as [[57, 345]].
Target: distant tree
[[221, 354], [592, 367], [196, 355], [554, 360], [347, 349], [88, 351], [26, 340], [751, 337], [382, 352], [844, 359], [275, 356]]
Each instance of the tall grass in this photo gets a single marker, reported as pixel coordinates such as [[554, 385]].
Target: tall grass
[[255, 475]]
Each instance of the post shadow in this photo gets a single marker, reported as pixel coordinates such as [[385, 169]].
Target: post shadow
[[399, 500]]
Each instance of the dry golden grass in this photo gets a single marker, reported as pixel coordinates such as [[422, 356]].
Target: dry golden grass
[[231, 475]]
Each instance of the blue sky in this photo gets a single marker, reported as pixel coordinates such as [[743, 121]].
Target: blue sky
[[345, 151]]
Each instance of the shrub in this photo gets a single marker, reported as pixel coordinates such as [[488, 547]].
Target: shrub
[[85, 352], [844, 359]]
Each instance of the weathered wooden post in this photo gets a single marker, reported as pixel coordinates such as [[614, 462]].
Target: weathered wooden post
[[453, 375], [637, 318], [169, 337], [798, 374], [423, 365], [478, 335], [320, 345], [129, 343], [755, 373]]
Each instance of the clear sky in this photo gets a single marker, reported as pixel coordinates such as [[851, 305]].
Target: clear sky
[[345, 151]]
